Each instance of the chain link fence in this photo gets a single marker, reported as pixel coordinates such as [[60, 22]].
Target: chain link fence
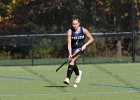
[[33, 32], [42, 49]]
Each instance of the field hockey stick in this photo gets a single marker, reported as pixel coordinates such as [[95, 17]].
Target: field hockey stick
[[69, 60]]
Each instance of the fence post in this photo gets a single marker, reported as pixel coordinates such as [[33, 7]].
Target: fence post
[[133, 31], [32, 53]]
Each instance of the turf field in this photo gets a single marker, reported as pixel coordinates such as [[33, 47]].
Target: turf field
[[99, 82]]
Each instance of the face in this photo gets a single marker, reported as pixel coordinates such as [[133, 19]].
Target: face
[[75, 24]]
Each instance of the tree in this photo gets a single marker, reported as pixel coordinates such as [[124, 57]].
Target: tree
[[54, 16]]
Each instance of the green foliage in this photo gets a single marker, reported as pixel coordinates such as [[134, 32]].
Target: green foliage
[[43, 52], [4, 55], [138, 46], [54, 16]]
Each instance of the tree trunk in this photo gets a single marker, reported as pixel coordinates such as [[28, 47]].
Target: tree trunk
[[119, 50]]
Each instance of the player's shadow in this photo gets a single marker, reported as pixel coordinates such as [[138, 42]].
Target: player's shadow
[[61, 86]]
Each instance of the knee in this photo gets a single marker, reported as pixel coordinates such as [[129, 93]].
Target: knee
[[72, 62]]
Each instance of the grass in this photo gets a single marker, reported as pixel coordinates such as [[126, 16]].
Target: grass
[[99, 82], [55, 61]]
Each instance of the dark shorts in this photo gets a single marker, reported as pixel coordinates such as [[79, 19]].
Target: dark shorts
[[74, 49]]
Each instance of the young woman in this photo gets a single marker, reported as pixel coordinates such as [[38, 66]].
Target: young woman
[[76, 41]]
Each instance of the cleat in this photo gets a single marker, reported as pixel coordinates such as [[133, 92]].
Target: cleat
[[78, 78], [66, 81]]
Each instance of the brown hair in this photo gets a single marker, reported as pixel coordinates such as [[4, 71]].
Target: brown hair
[[75, 17]]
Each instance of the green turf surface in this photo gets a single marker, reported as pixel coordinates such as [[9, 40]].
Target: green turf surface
[[99, 82], [55, 61]]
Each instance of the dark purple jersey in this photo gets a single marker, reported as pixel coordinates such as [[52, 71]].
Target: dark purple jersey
[[77, 38]]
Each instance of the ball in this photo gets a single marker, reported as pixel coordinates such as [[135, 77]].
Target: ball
[[75, 85]]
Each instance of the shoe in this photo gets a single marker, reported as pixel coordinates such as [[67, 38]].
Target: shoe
[[66, 81], [78, 78]]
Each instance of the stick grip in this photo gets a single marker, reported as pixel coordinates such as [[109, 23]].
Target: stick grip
[[76, 54]]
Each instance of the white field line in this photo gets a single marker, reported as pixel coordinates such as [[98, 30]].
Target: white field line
[[46, 94]]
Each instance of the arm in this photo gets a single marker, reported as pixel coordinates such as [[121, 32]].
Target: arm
[[69, 43], [90, 38]]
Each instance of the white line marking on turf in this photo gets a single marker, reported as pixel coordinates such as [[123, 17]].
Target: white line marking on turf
[[45, 94]]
